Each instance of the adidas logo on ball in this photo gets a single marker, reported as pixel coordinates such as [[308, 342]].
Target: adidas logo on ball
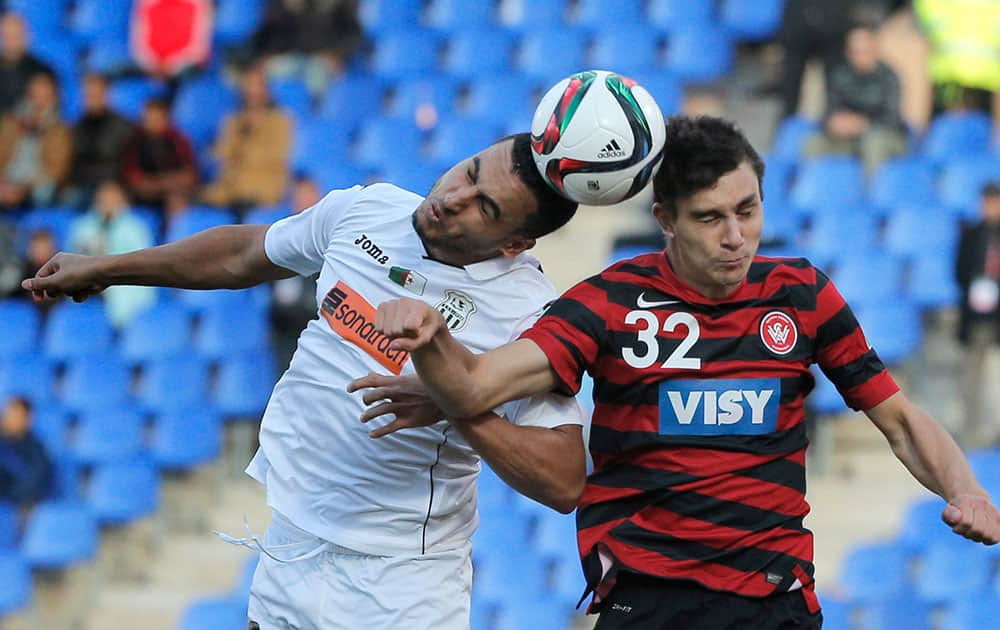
[[611, 150]]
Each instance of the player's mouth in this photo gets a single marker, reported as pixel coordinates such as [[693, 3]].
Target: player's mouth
[[732, 263], [434, 212]]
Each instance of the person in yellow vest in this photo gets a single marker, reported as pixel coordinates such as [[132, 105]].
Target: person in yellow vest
[[964, 36]]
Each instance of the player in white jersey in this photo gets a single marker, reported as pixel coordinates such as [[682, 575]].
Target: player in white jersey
[[374, 533]]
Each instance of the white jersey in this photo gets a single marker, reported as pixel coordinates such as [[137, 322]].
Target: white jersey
[[414, 491]]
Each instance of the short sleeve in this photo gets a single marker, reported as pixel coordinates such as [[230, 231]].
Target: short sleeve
[[299, 242], [544, 410]]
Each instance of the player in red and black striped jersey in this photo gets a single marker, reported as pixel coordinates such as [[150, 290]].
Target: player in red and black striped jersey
[[700, 355]]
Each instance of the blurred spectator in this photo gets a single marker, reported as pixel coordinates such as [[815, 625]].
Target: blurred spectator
[[293, 300], [964, 37], [252, 150], [25, 467], [312, 39], [158, 159], [41, 247], [862, 105], [817, 28], [171, 36], [98, 139], [10, 263], [35, 147], [17, 66], [977, 270], [112, 228]]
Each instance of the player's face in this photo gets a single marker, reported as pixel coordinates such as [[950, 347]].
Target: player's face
[[474, 211], [715, 232]]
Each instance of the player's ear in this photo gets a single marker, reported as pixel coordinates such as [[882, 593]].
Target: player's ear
[[665, 218], [516, 245]]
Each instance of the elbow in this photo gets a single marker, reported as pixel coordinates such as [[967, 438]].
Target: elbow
[[569, 495]]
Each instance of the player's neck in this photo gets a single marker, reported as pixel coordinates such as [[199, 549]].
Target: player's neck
[[687, 274]]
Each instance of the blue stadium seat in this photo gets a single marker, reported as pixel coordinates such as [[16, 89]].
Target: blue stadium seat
[[492, 493], [237, 20], [664, 87], [974, 610], [962, 181], [418, 178], [244, 385], [292, 95], [986, 465], [555, 536], [871, 279], [101, 20], [61, 52], [200, 106], [50, 423], [699, 55], [922, 230], [904, 611], [825, 399], [66, 478], [160, 331], [629, 49], [751, 20], [483, 614], [954, 135], [223, 332], [839, 233], [96, 382], [791, 136], [186, 438], [153, 220], [473, 52], [75, 330], [401, 54], [836, 612], [201, 301], [777, 180], [893, 327], [15, 576], [534, 612], [19, 327], [510, 575], [266, 215], [599, 14], [108, 56], [507, 530], [128, 96], [197, 219], [120, 492], [215, 613], [245, 579], [550, 54], [424, 102], [922, 525], [951, 568], [501, 99], [380, 139], [9, 527], [59, 534], [352, 99], [380, 16], [681, 15], [873, 572], [906, 181], [108, 435], [316, 140], [830, 182], [529, 14], [58, 221], [173, 383], [45, 18], [331, 175], [932, 280], [457, 137], [459, 16]]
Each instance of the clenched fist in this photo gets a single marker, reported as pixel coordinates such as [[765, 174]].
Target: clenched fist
[[66, 274], [411, 324]]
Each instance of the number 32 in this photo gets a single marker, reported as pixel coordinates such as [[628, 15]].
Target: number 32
[[648, 350]]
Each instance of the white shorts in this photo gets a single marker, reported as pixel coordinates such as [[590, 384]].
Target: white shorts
[[336, 588]]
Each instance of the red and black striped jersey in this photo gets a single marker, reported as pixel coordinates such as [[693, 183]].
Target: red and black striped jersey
[[698, 437]]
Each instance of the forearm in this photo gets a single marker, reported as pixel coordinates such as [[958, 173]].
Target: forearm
[[547, 465], [228, 257], [447, 369], [932, 456]]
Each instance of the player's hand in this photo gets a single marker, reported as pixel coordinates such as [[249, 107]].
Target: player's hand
[[402, 396], [409, 323], [974, 517], [65, 274]]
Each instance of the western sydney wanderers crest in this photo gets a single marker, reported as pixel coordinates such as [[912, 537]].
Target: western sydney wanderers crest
[[457, 308], [778, 332]]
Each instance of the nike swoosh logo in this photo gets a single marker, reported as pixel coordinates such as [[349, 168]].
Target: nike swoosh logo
[[642, 303]]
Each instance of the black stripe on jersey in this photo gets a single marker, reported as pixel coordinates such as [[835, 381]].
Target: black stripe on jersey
[[782, 472], [605, 440], [651, 271], [430, 498], [640, 478], [635, 394], [856, 372], [581, 317], [760, 269], [842, 324], [573, 349]]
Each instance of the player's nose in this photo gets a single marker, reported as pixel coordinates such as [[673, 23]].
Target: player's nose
[[732, 235], [459, 198]]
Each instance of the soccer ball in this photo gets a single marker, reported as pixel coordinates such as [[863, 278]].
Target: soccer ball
[[597, 137]]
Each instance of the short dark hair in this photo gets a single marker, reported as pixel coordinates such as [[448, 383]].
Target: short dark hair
[[991, 189], [21, 402], [554, 210], [698, 151], [159, 103]]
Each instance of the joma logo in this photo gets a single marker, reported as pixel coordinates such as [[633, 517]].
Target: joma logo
[[369, 247]]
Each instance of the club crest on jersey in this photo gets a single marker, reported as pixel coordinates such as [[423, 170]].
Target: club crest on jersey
[[457, 308], [408, 279], [778, 332]]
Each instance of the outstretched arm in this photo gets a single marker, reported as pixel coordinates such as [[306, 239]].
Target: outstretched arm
[[934, 459], [463, 384], [227, 257]]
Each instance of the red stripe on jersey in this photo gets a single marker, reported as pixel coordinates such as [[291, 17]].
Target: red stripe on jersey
[[755, 493]]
